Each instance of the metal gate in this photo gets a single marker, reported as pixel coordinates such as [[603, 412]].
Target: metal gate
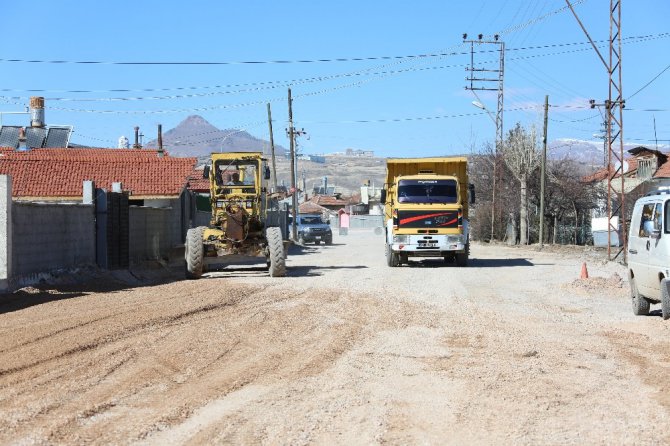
[[112, 220]]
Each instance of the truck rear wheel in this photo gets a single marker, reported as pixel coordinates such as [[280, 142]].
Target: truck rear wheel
[[194, 253], [392, 258], [277, 258]]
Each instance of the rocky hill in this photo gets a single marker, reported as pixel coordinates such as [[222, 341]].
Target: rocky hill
[[197, 137]]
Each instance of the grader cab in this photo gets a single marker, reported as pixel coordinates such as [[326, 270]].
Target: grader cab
[[240, 227]]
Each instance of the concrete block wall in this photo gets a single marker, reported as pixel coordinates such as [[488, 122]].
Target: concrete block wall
[[154, 232], [49, 236]]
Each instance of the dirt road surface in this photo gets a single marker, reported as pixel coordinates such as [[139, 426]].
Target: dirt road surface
[[514, 349]]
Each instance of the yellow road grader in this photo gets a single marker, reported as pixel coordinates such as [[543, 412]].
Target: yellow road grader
[[242, 226]]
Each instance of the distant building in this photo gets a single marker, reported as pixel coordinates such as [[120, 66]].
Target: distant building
[[123, 143], [317, 159], [360, 153]]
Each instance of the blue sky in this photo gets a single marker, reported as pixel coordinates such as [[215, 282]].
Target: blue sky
[[413, 106]]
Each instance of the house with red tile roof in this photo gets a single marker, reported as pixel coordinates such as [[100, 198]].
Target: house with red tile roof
[[150, 177], [333, 203], [643, 167], [197, 183]]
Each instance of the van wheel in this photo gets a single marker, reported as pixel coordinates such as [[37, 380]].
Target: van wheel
[[640, 304], [665, 299]]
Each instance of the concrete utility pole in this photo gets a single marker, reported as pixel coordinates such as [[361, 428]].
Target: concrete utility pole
[[294, 196], [272, 150], [543, 169]]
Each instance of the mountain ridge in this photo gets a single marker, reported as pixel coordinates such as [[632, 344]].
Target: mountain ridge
[[197, 137]]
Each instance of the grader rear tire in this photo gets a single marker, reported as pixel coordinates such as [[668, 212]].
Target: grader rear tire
[[277, 258], [194, 253]]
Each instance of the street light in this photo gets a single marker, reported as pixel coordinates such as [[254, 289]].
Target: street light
[[478, 103], [228, 136]]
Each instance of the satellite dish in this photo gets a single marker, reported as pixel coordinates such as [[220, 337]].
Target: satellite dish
[[617, 165]]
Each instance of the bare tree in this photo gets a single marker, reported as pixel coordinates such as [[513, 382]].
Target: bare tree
[[522, 157]]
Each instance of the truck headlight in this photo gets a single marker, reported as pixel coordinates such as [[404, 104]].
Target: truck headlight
[[455, 239], [400, 239]]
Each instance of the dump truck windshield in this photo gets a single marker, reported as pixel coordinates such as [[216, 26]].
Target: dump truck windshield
[[427, 191]]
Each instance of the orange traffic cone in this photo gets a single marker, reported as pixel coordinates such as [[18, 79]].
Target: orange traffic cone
[[585, 272]]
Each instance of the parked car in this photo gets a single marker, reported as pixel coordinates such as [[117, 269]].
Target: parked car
[[649, 253], [312, 229]]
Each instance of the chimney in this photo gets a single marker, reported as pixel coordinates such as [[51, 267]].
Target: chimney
[[137, 138], [36, 111], [325, 185], [160, 141]]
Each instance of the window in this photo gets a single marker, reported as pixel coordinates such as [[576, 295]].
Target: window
[[236, 172], [658, 217], [650, 213], [428, 191], [311, 220]]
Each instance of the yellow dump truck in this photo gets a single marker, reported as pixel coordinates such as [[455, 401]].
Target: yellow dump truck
[[426, 209]]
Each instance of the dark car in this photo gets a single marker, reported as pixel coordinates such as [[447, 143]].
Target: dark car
[[312, 229]]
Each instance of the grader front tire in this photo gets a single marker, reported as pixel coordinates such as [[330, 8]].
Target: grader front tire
[[194, 253], [277, 258]]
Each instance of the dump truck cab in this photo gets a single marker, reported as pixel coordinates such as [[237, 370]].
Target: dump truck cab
[[426, 209]]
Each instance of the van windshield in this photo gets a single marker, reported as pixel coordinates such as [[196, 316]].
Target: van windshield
[[427, 191]]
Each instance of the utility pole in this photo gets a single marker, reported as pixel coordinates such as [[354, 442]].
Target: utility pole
[[483, 82], [272, 150], [543, 169], [614, 106], [294, 197]]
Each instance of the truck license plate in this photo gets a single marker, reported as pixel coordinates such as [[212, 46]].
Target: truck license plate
[[318, 237]]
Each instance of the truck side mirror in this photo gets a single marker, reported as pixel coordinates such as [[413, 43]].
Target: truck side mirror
[[382, 197], [205, 171], [471, 189], [266, 173]]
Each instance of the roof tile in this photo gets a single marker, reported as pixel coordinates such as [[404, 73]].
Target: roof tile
[[59, 173]]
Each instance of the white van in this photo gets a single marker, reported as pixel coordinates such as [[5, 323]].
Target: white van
[[649, 253]]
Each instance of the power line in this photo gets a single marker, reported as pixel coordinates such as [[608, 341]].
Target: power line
[[650, 82]]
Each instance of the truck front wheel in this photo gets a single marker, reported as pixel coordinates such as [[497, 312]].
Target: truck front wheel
[[462, 258], [392, 258]]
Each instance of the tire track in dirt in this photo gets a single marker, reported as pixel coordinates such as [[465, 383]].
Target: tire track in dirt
[[651, 357]]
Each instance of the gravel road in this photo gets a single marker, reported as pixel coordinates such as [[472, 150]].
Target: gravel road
[[514, 349]]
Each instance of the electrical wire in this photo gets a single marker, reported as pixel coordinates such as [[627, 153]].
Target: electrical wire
[[649, 83]]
